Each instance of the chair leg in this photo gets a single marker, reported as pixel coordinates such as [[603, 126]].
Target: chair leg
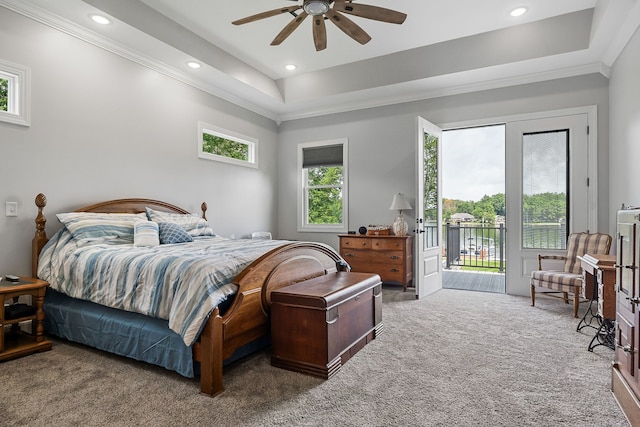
[[533, 296], [565, 297], [576, 301]]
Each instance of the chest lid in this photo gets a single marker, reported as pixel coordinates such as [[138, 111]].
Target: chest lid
[[326, 291]]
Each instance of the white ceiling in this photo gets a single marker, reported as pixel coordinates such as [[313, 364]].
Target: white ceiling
[[444, 47]]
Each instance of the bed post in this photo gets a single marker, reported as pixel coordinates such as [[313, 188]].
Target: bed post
[[40, 238], [211, 356], [203, 206]]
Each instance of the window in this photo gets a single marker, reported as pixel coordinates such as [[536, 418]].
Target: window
[[322, 172], [14, 90], [545, 207], [226, 146]]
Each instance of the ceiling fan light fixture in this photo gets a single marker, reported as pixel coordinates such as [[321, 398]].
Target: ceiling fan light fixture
[[316, 7]]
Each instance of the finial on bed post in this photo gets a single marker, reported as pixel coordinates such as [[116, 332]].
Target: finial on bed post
[[40, 238], [203, 206]]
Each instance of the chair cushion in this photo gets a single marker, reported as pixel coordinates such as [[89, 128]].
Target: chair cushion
[[585, 243], [556, 280]]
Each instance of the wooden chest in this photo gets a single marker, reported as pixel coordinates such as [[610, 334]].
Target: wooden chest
[[318, 324], [390, 257]]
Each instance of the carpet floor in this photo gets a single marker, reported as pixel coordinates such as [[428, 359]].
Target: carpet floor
[[455, 358]]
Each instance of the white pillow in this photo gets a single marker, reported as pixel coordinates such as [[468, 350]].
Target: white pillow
[[92, 228], [193, 224]]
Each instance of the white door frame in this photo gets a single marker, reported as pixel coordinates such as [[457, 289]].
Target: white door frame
[[592, 167]]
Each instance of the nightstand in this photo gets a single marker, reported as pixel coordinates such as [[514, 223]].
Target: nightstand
[[14, 342]]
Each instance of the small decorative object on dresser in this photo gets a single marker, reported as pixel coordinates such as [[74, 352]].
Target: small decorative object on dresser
[[390, 257], [399, 204], [13, 341]]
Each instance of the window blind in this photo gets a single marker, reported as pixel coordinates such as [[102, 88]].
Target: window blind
[[328, 155]]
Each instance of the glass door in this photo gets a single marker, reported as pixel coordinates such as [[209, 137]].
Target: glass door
[[429, 210]]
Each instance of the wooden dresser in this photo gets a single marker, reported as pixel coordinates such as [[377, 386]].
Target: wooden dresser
[[390, 257]]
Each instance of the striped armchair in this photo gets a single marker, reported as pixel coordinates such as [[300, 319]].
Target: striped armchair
[[569, 279]]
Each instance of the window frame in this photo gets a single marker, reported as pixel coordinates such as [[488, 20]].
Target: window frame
[[18, 93], [250, 142], [303, 193]]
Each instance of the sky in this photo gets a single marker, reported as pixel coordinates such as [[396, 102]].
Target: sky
[[473, 162]]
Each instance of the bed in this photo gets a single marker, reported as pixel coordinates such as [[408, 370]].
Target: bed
[[236, 309]]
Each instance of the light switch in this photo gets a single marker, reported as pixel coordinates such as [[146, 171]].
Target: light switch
[[11, 208]]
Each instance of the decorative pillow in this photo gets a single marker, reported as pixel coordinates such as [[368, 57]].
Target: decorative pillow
[[172, 233], [146, 233], [91, 228], [192, 224]]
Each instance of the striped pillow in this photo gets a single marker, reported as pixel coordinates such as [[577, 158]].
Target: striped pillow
[[192, 224], [146, 234], [94, 228]]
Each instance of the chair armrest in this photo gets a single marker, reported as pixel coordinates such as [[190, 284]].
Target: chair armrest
[[541, 257]]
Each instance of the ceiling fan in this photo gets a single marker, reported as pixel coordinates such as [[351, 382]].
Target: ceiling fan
[[320, 10]]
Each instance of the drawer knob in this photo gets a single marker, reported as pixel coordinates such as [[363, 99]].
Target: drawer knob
[[394, 270], [349, 254], [394, 257]]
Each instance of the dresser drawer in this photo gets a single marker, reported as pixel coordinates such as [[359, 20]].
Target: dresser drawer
[[355, 242], [387, 257], [387, 244]]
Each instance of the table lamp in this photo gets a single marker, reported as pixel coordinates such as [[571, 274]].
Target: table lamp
[[399, 204]]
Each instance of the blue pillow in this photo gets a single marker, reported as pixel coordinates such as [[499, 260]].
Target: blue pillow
[[172, 233]]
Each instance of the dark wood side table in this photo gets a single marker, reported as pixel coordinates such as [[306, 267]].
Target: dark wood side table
[[599, 281], [13, 341]]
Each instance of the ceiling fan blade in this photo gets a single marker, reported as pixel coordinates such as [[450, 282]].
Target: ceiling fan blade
[[349, 27], [289, 28], [319, 33], [370, 12], [266, 14]]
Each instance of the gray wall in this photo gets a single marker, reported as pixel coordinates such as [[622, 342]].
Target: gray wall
[[103, 127], [625, 129], [382, 144]]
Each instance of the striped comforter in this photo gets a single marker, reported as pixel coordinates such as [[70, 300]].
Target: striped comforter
[[181, 283]]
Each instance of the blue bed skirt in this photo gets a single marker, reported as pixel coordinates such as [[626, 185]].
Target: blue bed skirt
[[126, 334]]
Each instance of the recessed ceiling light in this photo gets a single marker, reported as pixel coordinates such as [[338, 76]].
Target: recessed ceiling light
[[193, 64], [290, 67], [99, 19], [518, 11]]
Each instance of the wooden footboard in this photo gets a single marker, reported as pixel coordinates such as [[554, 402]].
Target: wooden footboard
[[247, 319]]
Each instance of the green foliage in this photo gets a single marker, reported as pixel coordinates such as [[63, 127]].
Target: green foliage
[[544, 207], [213, 144], [4, 95], [325, 194], [430, 177]]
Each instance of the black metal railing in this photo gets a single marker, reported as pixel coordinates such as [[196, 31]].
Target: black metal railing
[[477, 246]]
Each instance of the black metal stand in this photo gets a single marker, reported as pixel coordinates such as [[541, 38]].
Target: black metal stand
[[605, 335], [590, 316]]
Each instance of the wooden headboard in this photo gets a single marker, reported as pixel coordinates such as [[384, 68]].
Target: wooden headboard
[[133, 205]]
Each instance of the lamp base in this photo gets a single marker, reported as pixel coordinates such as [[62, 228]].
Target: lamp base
[[400, 226]]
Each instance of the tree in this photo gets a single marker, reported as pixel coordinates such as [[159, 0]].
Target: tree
[[224, 147], [325, 194], [4, 95], [430, 177]]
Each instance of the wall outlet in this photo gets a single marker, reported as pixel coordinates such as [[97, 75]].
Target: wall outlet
[[11, 209]]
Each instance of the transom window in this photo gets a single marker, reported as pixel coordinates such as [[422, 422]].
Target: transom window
[[14, 93], [226, 146], [322, 170]]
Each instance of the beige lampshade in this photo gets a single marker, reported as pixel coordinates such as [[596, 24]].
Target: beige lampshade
[[399, 203]]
